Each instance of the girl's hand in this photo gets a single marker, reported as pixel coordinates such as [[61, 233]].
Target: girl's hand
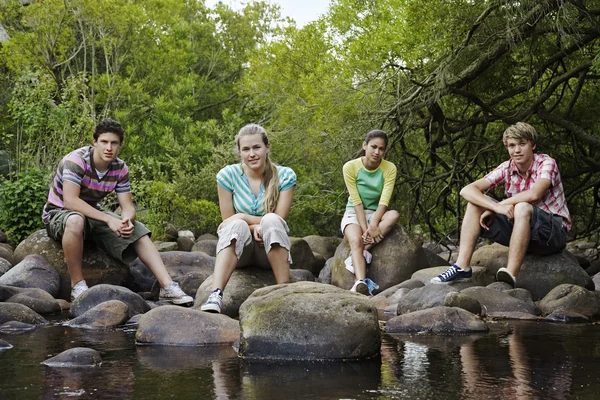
[[374, 233], [257, 233]]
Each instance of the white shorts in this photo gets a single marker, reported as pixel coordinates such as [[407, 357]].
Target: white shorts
[[350, 218]]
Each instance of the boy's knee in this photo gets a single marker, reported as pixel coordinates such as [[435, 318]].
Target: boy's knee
[[75, 224], [523, 210]]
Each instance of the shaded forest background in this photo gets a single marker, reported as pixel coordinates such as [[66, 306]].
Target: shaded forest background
[[443, 77]]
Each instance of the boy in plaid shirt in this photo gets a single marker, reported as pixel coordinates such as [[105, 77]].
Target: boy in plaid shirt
[[533, 217]]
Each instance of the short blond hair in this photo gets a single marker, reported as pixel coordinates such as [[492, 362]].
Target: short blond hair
[[520, 131]]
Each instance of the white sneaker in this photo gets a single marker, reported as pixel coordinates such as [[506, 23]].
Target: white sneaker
[[214, 301], [78, 289], [175, 295], [361, 287], [504, 275]]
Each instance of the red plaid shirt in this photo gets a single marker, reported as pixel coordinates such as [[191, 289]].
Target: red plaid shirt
[[542, 167]]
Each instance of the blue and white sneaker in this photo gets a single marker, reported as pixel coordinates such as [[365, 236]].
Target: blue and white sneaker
[[453, 274]]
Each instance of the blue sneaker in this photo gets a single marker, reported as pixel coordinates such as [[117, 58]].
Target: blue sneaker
[[453, 274]]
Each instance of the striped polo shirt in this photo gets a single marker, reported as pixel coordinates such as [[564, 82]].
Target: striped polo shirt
[[233, 179], [542, 167], [369, 187], [78, 167]]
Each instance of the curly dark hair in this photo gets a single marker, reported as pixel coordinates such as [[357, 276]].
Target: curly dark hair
[[107, 125]]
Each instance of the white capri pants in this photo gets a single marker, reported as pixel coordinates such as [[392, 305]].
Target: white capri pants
[[274, 230]]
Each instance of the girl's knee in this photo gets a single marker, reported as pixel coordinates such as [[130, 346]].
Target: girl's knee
[[394, 216]]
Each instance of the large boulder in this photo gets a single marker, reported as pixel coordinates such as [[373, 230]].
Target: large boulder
[[98, 267], [538, 274], [395, 259], [437, 320], [177, 326], [325, 246], [21, 313], [242, 283], [101, 293], [308, 321], [38, 300], [573, 299], [33, 272], [187, 269], [109, 314], [4, 266], [75, 357], [495, 301], [325, 273]]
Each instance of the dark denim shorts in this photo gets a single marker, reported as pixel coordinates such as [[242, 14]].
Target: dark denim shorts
[[547, 232]]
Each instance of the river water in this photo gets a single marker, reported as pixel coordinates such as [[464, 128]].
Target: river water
[[516, 360]]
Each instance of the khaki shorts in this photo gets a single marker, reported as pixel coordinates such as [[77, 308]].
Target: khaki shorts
[[274, 231], [117, 247], [350, 218]]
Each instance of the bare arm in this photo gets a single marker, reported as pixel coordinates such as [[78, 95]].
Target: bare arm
[[473, 193], [533, 195], [127, 207], [284, 204], [359, 209], [228, 213]]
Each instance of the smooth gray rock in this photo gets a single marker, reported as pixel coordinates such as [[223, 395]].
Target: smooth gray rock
[[319, 262], [516, 315], [242, 283], [538, 274], [166, 246], [206, 236], [38, 300], [308, 321], [407, 284], [33, 272], [567, 317], [4, 266], [302, 275], [21, 313], [101, 293], [109, 314], [424, 297], [323, 245], [187, 269], [7, 254], [500, 286], [494, 301], [75, 357], [325, 273], [435, 260], [185, 243], [208, 246], [395, 259], [16, 327], [178, 326], [571, 298], [98, 267], [6, 292], [437, 320], [461, 300], [4, 345], [302, 256]]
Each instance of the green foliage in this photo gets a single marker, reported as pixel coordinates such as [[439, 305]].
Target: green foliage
[[21, 201]]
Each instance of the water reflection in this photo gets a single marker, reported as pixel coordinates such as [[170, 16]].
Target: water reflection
[[515, 360]]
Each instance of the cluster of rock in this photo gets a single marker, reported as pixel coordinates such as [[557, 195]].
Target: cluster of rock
[[314, 317]]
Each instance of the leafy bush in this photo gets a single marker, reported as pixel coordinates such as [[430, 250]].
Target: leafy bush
[[21, 201]]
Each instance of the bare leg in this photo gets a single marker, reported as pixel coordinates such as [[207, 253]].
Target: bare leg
[[225, 264], [278, 258], [354, 235], [469, 233], [389, 219], [149, 255], [72, 243], [519, 240]]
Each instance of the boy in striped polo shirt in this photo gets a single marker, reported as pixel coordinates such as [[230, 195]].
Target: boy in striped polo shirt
[[533, 218], [72, 213]]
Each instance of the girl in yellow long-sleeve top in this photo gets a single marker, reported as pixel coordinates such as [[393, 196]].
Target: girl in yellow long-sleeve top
[[370, 182]]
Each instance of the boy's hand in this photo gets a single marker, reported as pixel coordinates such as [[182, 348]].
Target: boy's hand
[[485, 219], [126, 228]]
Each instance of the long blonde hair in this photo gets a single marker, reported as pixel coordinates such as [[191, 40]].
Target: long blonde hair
[[270, 176]]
